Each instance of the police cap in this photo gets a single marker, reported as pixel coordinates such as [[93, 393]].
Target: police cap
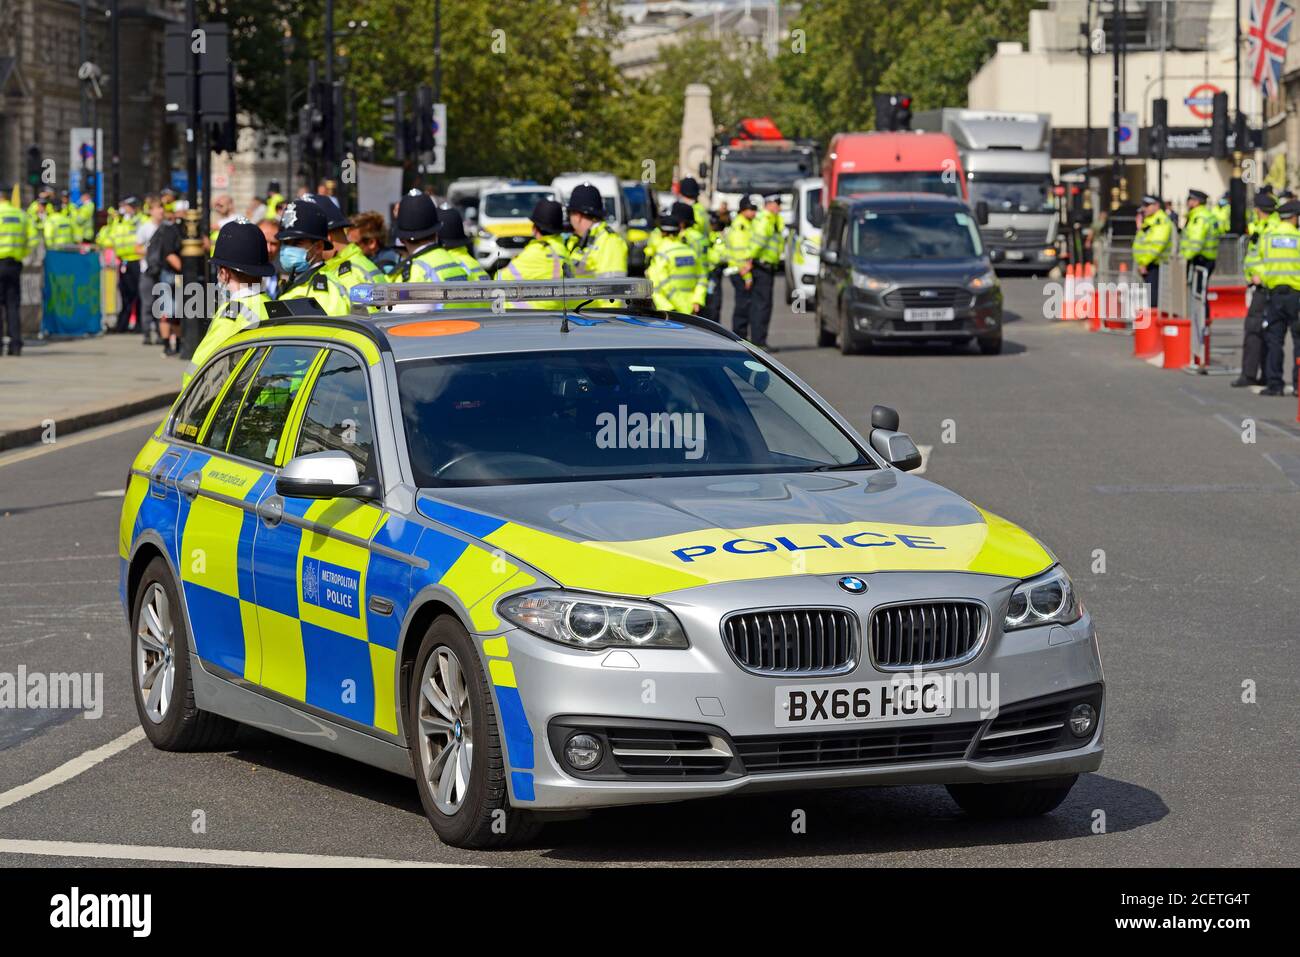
[[332, 212], [241, 246], [1198, 195], [586, 199], [548, 217], [451, 227], [303, 219], [746, 203], [689, 188], [417, 216], [1149, 199], [1265, 202], [1289, 209]]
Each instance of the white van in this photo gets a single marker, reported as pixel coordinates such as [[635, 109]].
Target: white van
[[611, 191], [804, 239], [503, 224]]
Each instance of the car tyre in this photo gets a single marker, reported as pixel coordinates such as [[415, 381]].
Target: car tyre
[[451, 715], [1012, 798], [849, 345], [825, 337], [990, 347], [160, 670]]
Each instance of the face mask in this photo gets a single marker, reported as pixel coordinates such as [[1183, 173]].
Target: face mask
[[293, 259]]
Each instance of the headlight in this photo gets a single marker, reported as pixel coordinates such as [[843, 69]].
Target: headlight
[[1048, 599], [484, 234], [984, 281], [593, 621], [862, 281]]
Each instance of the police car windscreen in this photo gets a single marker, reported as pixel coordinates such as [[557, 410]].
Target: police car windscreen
[[912, 235], [902, 181], [613, 414], [514, 205]]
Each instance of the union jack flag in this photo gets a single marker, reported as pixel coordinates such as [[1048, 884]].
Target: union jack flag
[[1270, 29]]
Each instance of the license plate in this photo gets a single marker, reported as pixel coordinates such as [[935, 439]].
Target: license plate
[[927, 315], [1015, 254], [802, 706]]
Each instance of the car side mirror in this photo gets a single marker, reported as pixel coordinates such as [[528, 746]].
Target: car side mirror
[[896, 448], [883, 417], [982, 212], [830, 257], [324, 475]]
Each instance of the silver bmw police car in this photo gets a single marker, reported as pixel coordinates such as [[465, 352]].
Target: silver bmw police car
[[546, 559]]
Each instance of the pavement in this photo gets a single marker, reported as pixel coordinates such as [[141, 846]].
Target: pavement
[[1180, 536], [60, 386]]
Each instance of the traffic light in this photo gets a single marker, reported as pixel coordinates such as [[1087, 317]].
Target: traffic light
[[34, 163], [1159, 127], [399, 125], [893, 111], [424, 119], [1219, 126]]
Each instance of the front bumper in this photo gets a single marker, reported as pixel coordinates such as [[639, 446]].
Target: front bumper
[[877, 316], [700, 694]]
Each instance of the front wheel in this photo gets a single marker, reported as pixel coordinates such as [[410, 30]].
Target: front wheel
[[849, 345], [456, 747], [1013, 798], [990, 347]]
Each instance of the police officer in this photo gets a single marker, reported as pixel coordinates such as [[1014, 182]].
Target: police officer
[[274, 199], [1152, 244], [738, 251], [240, 257], [344, 260], [769, 240], [600, 252], [417, 230], [60, 228], [1280, 267], [303, 239], [1252, 346], [546, 257], [1223, 214], [690, 192], [676, 271], [16, 235], [1200, 237], [84, 217], [122, 239], [453, 238]]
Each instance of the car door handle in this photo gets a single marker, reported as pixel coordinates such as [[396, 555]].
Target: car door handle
[[190, 485], [271, 510]]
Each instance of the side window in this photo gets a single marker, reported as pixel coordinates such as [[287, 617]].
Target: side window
[[833, 230], [261, 418], [338, 415], [219, 431], [203, 392]]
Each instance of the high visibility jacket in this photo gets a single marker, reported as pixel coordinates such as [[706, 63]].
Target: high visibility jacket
[[16, 232], [1223, 219], [466, 258], [1200, 235], [84, 216], [1280, 256], [232, 316], [677, 275], [351, 267], [430, 263], [1256, 229], [738, 242], [60, 230], [601, 254], [273, 205], [1152, 243], [329, 293], [122, 237], [701, 219], [545, 258], [769, 238]]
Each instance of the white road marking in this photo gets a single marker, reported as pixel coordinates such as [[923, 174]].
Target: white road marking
[[81, 437], [112, 493], [69, 770], [925, 451], [199, 855], [60, 558]]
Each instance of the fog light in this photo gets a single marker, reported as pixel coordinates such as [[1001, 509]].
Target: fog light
[[1083, 718], [582, 751]]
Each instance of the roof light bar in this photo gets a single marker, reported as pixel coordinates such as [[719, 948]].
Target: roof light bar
[[573, 290]]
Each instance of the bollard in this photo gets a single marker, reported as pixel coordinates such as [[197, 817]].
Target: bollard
[[1176, 337], [1147, 334]]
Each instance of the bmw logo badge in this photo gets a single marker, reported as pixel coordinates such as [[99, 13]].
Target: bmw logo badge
[[853, 585]]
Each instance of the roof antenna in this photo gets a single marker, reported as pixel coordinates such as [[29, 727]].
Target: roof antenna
[[564, 303]]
